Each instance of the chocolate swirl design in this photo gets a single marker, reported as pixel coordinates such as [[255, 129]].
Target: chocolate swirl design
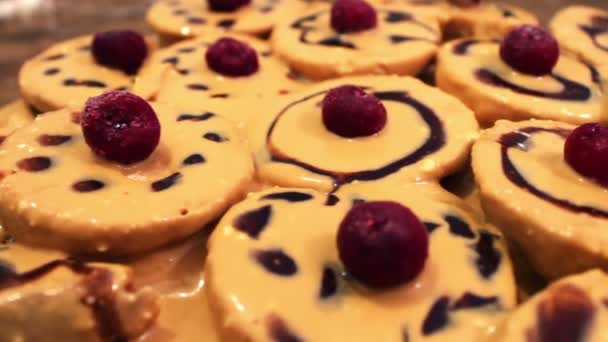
[[435, 141], [571, 90], [306, 26], [598, 26], [519, 139]]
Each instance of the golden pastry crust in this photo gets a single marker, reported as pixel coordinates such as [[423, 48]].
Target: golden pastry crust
[[199, 169]]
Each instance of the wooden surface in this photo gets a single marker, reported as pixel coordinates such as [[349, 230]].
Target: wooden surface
[[28, 32]]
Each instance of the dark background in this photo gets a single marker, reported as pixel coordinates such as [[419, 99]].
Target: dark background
[[28, 26]]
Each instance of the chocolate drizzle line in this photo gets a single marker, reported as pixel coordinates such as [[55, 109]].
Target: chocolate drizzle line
[[518, 139], [572, 91], [99, 292], [340, 40], [434, 142], [599, 25]]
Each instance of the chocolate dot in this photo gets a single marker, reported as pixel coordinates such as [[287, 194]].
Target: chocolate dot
[[183, 71], [183, 212], [192, 159], [397, 38], [459, 227], [253, 222], [289, 196], [329, 283], [196, 20], [53, 140], [226, 23], [431, 226], [265, 9], [52, 71], [192, 117], [488, 257], [180, 12], [166, 183], [276, 261], [197, 86], [2, 138], [186, 50], [437, 318], [55, 57], [88, 185], [470, 300], [396, 17], [171, 60], [34, 164], [279, 331], [215, 137], [220, 96], [331, 200]]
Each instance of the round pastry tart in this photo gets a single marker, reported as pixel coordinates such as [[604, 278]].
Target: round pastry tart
[[61, 299], [320, 267], [215, 70], [14, 116], [354, 37], [482, 19], [571, 309], [583, 31], [362, 129], [545, 192], [499, 82], [68, 73], [179, 19], [128, 191]]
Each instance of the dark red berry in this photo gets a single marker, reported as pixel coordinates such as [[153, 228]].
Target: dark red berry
[[231, 57], [530, 50], [382, 244], [120, 49], [120, 127], [350, 112], [352, 16], [586, 151], [465, 3], [227, 5]]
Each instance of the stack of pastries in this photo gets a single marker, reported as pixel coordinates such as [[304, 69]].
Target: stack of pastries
[[307, 170]]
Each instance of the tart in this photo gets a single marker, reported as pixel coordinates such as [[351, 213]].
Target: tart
[[583, 31], [180, 19], [181, 76], [555, 215], [473, 71], [427, 135], [68, 73], [400, 42], [58, 192], [284, 242], [571, 309]]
